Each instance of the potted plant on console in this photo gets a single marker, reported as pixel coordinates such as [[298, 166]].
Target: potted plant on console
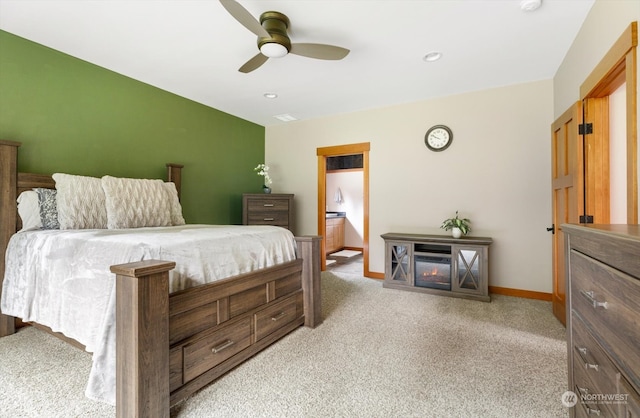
[[458, 226]]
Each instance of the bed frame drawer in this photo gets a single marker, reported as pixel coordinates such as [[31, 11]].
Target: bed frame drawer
[[210, 351], [278, 315]]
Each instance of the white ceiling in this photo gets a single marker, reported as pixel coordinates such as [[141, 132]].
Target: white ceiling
[[194, 48]]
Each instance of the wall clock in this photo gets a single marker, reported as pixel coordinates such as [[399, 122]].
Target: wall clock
[[438, 138]]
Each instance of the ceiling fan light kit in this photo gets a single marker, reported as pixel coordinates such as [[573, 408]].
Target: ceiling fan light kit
[[273, 41]]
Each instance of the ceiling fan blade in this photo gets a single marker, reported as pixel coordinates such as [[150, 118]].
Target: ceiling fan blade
[[253, 63], [245, 18], [319, 51]]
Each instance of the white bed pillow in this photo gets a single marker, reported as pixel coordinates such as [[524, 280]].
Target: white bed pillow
[[174, 204], [81, 202], [29, 210], [135, 203]]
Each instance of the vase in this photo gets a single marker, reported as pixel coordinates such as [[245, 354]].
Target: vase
[[266, 189], [456, 232]]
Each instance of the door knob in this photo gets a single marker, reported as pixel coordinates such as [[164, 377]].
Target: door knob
[[552, 229]]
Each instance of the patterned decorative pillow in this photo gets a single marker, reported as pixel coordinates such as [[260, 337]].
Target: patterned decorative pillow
[[81, 202], [135, 203], [174, 204], [29, 210], [48, 208]]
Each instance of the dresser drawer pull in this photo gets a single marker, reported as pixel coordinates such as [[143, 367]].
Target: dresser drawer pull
[[593, 411], [268, 205], [224, 345], [268, 219], [279, 316], [592, 300], [588, 366]]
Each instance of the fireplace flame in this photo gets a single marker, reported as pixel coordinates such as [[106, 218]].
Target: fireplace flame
[[434, 272]]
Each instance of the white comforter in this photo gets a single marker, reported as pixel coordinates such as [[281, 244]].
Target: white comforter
[[61, 278]]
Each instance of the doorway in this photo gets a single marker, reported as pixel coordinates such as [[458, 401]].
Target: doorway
[[335, 151], [580, 140]]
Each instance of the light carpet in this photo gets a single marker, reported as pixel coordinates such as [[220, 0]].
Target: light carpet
[[378, 353]]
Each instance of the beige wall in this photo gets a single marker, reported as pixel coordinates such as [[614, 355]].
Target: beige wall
[[496, 172], [603, 26]]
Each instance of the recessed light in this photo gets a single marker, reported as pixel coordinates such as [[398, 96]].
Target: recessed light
[[285, 117], [530, 5], [270, 95], [432, 56]]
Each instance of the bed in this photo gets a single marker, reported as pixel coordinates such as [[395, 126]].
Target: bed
[[173, 339]]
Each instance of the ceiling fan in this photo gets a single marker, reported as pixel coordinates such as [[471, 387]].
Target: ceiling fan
[[273, 41]]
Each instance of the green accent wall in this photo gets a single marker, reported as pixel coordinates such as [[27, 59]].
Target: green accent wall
[[78, 118]]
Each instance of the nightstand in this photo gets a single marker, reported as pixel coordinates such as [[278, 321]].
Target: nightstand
[[268, 209]]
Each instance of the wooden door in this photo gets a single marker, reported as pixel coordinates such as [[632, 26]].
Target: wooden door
[[567, 194], [579, 180]]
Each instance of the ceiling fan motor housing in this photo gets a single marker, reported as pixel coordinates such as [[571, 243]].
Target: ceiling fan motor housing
[[276, 24]]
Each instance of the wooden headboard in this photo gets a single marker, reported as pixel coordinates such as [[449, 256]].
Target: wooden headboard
[[12, 183]]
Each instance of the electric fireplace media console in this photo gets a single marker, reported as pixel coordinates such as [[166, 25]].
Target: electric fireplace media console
[[438, 264]]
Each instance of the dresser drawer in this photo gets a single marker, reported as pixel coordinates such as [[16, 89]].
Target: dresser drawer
[[630, 404], [609, 301], [590, 401], [268, 205], [212, 350], [278, 315], [277, 218], [593, 372]]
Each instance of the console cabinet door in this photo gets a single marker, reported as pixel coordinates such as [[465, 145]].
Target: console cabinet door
[[469, 269], [398, 265]]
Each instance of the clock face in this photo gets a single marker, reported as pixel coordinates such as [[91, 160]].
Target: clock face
[[438, 138]]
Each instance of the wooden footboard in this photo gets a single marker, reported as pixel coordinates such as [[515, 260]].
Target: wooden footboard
[[169, 346]]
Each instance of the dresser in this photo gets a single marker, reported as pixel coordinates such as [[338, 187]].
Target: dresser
[[603, 319], [268, 209]]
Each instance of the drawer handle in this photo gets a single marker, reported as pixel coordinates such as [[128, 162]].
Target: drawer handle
[[268, 205], [588, 366], [224, 345], [279, 316], [268, 219], [592, 300], [594, 411], [583, 390]]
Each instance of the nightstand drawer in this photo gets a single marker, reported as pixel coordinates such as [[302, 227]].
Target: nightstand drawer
[[268, 218], [264, 205]]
